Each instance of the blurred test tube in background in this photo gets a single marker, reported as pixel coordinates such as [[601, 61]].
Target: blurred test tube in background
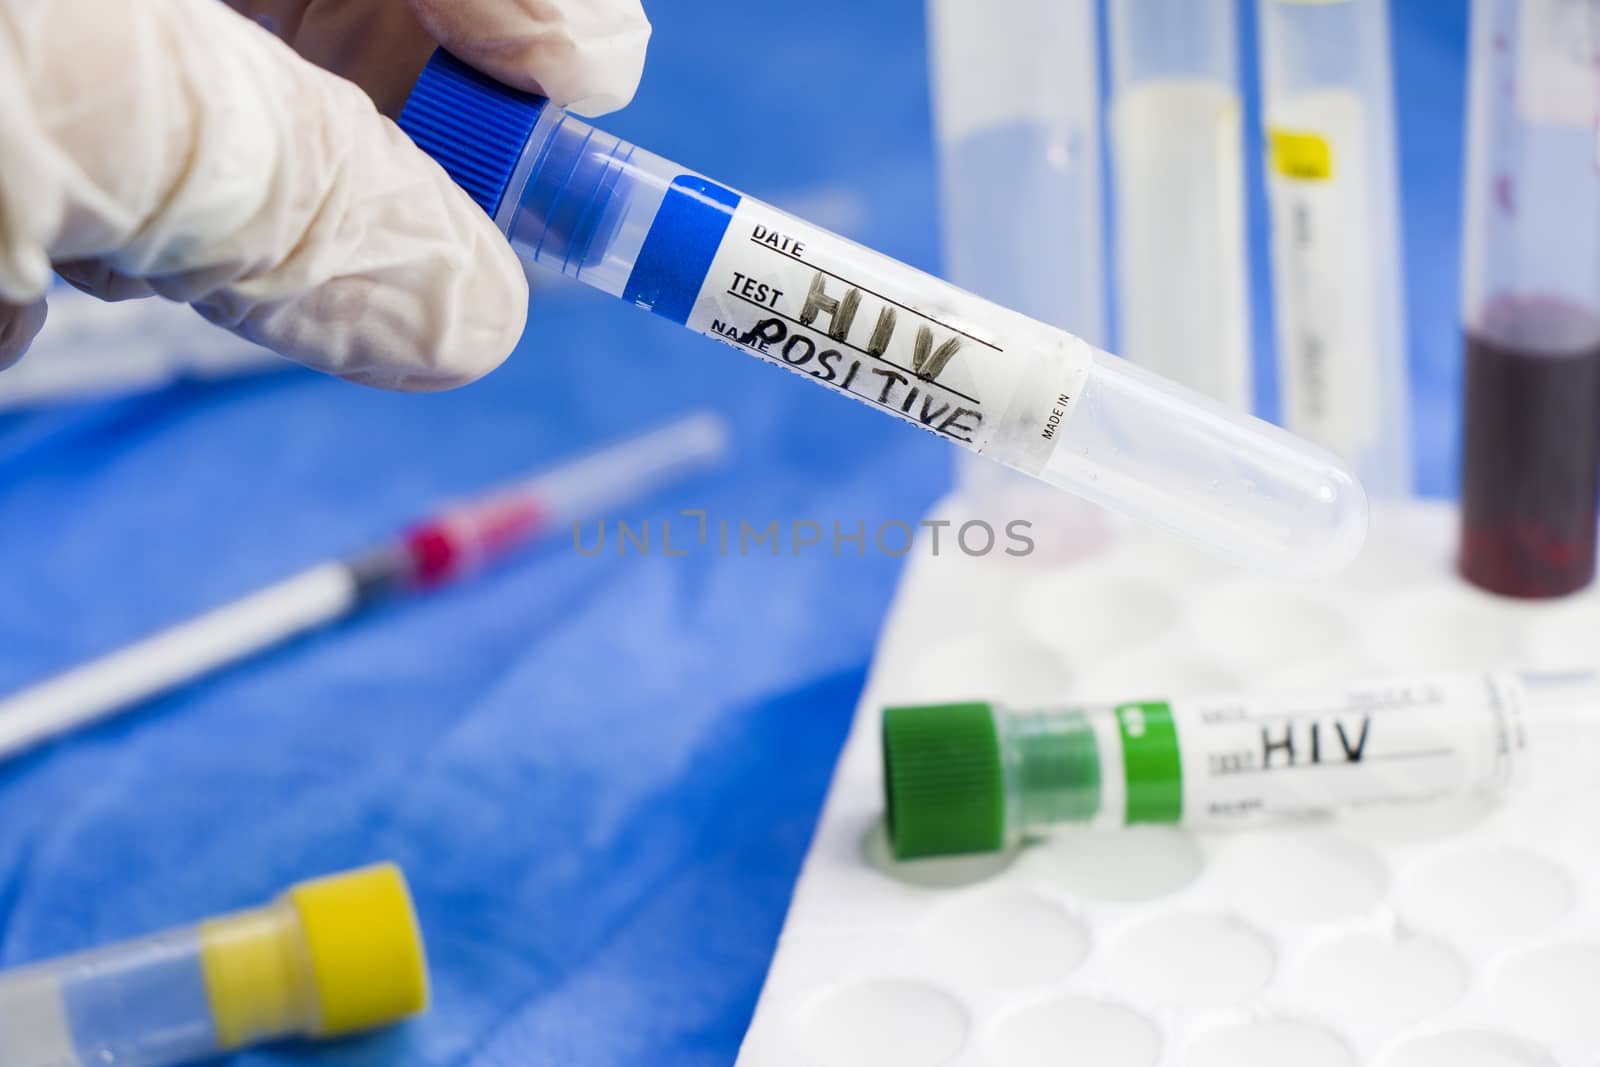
[[1531, 297], [1182, 272], [91, 349], [331, 957], [1016, 95], [1016, 101], [1331, 178]]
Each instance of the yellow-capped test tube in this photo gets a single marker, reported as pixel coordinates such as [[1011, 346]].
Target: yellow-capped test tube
[[329, 957]]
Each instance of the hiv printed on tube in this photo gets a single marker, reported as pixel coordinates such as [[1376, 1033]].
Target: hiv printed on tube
[[333, 956], [441, 549], [1025, 394], [979, 777]]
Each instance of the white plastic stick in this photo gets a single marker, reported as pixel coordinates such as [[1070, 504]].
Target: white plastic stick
[[147, 668]]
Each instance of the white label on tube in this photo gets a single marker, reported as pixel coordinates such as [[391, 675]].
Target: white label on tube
[[34, 1029], [1184, 300], [890, 336], [1558, 62], [1322, 263], [1377, 745]]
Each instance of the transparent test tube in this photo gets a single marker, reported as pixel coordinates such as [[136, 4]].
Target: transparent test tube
[[1016, 95], [1183, 295], [1028, 395], [331, 957], [93, 348], [980, 777], [1531, 297], [1337, 283]]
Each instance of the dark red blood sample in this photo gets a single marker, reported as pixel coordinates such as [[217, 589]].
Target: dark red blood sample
[[434, 554], [1531, 457], [463, 540]]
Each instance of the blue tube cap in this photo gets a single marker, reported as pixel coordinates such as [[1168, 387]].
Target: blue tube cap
[[472, 125], [478, 130]]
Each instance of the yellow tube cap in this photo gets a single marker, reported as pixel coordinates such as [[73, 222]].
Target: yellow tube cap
[[367, 959]]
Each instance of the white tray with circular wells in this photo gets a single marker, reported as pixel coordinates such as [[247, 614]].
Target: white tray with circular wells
[[1465, 940]]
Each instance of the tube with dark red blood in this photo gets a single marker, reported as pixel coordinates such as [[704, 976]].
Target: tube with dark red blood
[[1531, 299]]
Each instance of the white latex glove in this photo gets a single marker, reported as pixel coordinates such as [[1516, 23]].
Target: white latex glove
[[173, 147]]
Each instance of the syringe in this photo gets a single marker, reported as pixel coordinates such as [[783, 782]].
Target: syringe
[[1023, 393], [977, 776], [330, 957], [449, 545]]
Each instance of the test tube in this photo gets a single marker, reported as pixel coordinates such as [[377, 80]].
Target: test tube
[[1337, 283], [1183, 293], [330, 957], [1016, 95], [1531, 298], [1016, 108], [93, 348], [977, 777], [1026, 394]]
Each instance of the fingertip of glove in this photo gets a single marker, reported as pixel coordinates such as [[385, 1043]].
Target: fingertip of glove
[[605, 73], [427, 295], [487, 313], [485, 319], [434, 325], [585, 55]]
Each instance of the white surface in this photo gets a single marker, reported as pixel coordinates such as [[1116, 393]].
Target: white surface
[[1467, 940]]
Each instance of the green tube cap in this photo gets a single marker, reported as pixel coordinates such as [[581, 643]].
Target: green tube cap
[[943, 780]]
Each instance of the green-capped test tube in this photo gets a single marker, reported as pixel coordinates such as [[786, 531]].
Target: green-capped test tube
[[976, 777]]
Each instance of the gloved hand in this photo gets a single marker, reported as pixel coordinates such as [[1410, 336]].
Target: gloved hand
[[175, 148]]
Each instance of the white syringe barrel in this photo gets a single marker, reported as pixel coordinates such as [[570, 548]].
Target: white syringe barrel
[[1016, 390], [1327, 98]]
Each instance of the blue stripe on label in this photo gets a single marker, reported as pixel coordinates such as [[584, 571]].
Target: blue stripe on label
[[680, 246]]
